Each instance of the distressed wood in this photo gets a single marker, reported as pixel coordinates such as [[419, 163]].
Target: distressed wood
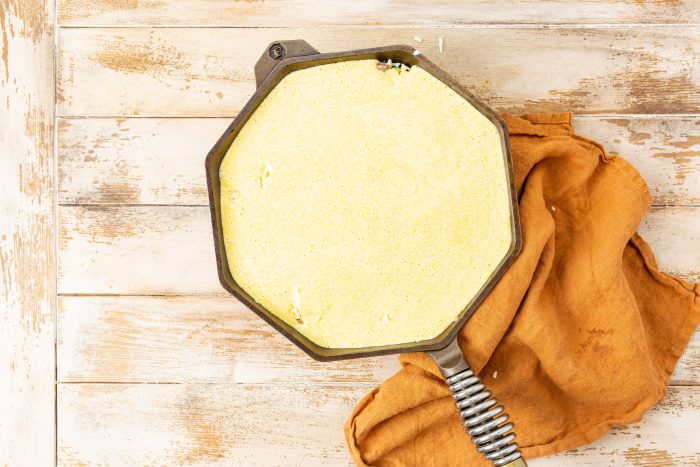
[[169, 250], [186, 339], [666, 151], [667, 436], [212, 339], [300, 425], [269, 13], [687, 372], [209, 72], [674, 235], [26, 233], [232, 391], [205, 424], [160, 160], [135, 160], [136, 250]]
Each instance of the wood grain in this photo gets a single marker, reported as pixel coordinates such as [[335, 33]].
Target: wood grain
[[674, 235], [383, 12], [136, 250], [205, 424], [26, 233], [210, 339], [666, 151], [665, 437], [168, 250], [160, 160], [225, 424], [149, 160], [190, 339], [209, 72]]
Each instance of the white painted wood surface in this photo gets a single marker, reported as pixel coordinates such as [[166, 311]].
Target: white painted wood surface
[[665, 437], [159, 160], [369, 12], [259, 425], [209, 72], [205, 424], [166, 339], [27, 279], [138, 250], [132, 193], [155, 363], [161, 339]]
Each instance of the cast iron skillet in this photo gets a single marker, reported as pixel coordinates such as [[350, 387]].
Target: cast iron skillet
[[484, 421]]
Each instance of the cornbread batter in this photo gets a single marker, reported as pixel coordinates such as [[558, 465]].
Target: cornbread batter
[[364, 206]]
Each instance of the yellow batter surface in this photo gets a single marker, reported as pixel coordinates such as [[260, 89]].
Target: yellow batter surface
[[365, 207]]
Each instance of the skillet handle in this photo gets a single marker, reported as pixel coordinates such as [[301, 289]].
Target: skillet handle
[[484, 420], [278, 51]]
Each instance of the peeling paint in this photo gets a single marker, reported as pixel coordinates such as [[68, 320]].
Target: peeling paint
[[649, 457], [4, 6], [132, 58], [26, 233], [639, 138]]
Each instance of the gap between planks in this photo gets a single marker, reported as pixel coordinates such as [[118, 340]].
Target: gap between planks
[[359, 384], [233, 115], [308, 384], [502, 25], [173, 205]]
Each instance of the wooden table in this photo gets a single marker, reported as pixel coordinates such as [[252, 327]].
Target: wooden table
[[117, 344]]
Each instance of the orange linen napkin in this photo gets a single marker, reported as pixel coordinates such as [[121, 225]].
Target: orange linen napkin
[[581, 334]]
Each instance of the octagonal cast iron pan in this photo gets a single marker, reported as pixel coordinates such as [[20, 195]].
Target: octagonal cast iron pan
[[482, 417]]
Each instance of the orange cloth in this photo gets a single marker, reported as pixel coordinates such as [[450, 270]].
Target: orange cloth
[[582, 330]]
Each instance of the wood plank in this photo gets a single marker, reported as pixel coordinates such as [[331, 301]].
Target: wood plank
[[212, 339], [205, 424], [138, 250], [209, 72], [149, 160], [386, 12], [160, 160], [687, 371], [667, 436], [27, 274], [299, 425], [674, 235], [666, 151], [188, 339]]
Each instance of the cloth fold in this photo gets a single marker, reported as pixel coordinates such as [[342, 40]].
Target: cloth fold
[[581, 334]]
